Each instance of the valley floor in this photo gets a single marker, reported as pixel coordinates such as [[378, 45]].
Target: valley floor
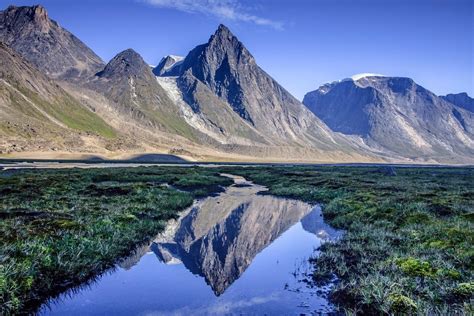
[[407, 246]]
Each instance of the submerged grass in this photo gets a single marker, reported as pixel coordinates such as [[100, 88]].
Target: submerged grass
[[408, 246], [62, 227]]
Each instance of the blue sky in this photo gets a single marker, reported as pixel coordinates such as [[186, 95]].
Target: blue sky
[[301, 43]]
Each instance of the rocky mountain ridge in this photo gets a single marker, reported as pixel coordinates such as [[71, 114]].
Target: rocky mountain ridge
[[462, 100]]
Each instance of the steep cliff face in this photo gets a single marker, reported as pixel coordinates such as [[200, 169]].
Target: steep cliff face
[[43, 42], [397, 116]]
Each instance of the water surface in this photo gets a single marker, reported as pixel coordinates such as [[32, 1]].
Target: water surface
[[236, 253]]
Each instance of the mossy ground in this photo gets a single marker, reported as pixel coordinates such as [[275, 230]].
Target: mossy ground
[[407, 247]]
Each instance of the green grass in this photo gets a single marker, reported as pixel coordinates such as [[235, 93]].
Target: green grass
[[72, 114], [59, 228], [408, 246]]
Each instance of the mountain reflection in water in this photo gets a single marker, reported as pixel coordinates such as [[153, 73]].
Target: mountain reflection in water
[[219, 236], [252, 250]]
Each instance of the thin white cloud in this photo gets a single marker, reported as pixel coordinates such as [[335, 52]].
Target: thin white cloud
[[221, 306], [223, 9]]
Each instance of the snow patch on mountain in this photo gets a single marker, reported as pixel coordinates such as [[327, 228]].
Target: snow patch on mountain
[[364, 75], [176, 58], [196, 120]]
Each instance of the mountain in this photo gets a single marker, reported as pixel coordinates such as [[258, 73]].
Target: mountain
[[128, 98], [37, 114], [460, 99], [231, 99], [43, 42], [396, 116]]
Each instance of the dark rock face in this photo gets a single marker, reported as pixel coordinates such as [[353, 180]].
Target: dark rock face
[[397, 116], [125, 64], [220, 64], [461, 99], [355, 112], [128, 64], [119, 77], [41, 41]]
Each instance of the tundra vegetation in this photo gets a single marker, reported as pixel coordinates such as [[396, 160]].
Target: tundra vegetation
[[59, 228], [407, 247]]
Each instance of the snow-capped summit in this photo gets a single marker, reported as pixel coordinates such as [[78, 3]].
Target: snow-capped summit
[[365, 75], [176, 58], [168, 65]]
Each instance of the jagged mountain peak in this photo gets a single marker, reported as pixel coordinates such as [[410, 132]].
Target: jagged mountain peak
[[128, 57], [34, 12], [229, 72], [223, 33], [222, 29], [223, 50], [224, 41], [45, 44]]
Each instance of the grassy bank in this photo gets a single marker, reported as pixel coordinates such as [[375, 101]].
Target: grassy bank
[[59, 228], [408, 247]]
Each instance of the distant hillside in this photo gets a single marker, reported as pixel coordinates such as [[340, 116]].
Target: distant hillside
[[35, 111]]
